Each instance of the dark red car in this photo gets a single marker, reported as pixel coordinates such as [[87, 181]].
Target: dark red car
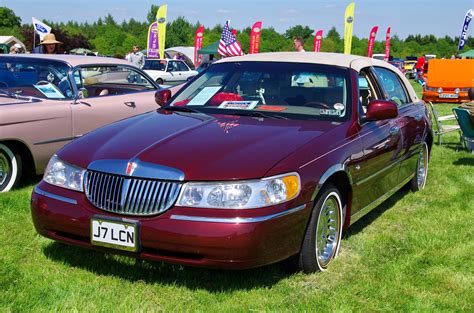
[[259, 159]]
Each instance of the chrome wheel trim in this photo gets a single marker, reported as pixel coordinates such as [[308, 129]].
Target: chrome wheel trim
[[11, 161], [4, 168], [328, 230], [422, 168]]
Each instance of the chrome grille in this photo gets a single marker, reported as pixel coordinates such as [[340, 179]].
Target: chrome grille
[[130, 195]]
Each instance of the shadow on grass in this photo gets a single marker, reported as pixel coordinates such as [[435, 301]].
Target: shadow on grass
[[379, 210], [464, 161], [167, 274]]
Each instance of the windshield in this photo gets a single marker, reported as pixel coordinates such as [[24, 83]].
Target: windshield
[[35, 78], [290, 90]]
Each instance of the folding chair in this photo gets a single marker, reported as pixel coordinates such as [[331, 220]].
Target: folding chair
[[440, 128], [467, 128]]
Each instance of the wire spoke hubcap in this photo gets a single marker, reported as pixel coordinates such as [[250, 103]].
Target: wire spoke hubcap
[[4, 168], [422, 167], [328, 230]]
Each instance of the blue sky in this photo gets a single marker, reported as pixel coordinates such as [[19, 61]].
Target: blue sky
[[437, 17]]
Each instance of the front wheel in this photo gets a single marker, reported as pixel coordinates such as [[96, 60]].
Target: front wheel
[[324, 232], [10, 168], [419, 180]]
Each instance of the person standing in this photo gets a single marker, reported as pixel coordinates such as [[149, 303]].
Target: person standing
[[50, 44], [137, 57], [298, 43]]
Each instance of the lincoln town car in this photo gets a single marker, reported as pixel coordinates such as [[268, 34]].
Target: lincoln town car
[[259, 159]]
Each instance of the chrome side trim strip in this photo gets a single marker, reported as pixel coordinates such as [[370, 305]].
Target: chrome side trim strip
[[56, 140], [237, 220], [356, 216], [53, 196]]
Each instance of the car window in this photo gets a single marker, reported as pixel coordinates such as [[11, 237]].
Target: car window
[[155, 65], [291, 89], [181, 66], [392, 86], [172, 66], [107, 80], [35, 78], [366, 91]]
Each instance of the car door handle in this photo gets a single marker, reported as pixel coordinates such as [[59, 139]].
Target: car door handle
[[394, 130], [418, 117], [130, 104]]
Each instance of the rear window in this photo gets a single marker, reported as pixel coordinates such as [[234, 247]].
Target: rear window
[[293, 90]]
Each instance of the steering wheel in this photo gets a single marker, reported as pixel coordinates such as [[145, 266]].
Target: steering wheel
[[42, 82], [317, 104]]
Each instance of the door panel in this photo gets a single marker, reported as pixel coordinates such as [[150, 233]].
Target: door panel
[[378, 171]]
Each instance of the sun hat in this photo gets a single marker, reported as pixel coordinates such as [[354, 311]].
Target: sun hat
[[48, 39]]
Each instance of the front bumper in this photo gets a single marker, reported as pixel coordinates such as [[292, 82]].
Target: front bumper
[[233, 239]]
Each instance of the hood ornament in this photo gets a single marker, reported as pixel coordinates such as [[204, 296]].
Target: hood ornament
[[131, 166]]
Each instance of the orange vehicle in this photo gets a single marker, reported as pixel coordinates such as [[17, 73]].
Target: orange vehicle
[[448, 80]]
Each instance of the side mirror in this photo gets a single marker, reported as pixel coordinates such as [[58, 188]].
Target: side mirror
[[381, 110], [162, 96]]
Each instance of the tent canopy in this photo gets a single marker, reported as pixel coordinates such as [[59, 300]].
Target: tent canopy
[[468, 54], [210, 49]]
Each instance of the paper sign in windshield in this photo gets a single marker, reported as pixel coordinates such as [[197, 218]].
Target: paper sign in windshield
[[50, 91], [204, 95], [238, 105], [331, 112]]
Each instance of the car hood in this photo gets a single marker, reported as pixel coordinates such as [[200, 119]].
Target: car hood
[[203, 147]]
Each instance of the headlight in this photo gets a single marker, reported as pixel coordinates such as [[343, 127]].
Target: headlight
[[457, 90], [440, 90], [429, 88], [247, 194], [62, 174]]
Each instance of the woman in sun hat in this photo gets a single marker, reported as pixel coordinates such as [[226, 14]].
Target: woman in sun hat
[[50, 44]]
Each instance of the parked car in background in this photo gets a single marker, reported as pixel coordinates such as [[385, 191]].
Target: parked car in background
[[448, 80], [378, 56], [410, 68], [398, 63], [168, 72], [261, 158], [46, 101]]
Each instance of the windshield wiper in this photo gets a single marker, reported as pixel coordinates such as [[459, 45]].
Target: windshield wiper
[[259, 114], [180, 109]]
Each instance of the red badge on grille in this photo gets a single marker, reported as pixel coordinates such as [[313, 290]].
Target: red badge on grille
[[130, 168]]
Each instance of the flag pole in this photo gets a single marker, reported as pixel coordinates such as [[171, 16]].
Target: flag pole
[[34, 41]]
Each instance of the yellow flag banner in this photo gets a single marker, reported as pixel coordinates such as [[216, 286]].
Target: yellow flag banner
[[161, 20], [348, 27]]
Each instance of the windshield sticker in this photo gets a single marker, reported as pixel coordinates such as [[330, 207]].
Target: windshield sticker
[[277, 108], [339, 106], [238, 105], [50, 91], [204, 95], [331, 112]]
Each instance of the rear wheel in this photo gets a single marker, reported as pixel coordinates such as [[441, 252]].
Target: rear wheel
[[419, 180], [10, 168], [159, 81], [324, 232]]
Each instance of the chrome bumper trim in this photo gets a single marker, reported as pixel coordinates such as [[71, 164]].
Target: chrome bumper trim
[[53, 196], [237, 220]]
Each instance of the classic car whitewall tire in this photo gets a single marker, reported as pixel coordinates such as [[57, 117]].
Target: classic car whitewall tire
[[10, 168], [323, 235], [421, 173]]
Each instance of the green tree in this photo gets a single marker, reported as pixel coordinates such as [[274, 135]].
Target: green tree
[[151, 15], [8, 18]]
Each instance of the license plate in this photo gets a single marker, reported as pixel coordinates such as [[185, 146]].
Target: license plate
[[448, 95], [116, 234]]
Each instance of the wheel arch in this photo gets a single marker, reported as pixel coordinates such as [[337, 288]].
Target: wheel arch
[[341, 178]]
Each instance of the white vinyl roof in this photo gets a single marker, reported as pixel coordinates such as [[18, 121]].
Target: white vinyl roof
[[355, 62]]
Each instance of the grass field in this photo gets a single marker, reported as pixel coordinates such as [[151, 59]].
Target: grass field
[[415, 252]]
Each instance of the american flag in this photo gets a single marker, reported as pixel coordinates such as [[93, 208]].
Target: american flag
[[228, 45]]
